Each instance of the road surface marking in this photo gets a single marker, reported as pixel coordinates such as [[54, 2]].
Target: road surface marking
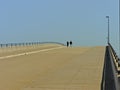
[[32, 52]]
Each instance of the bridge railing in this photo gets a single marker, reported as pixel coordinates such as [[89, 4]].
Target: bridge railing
[[111, 77], [27, 44], [114, 64], [12, 47], [115, 58]]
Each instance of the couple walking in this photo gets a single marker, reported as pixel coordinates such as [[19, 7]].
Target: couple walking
[[69, 43]]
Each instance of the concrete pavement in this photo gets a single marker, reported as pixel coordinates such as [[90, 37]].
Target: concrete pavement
[[75, 68]]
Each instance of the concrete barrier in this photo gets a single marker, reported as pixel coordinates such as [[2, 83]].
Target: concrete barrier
[[110, 80]]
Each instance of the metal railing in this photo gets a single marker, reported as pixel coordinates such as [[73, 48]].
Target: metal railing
[[27, 44], [9, 48], [110, 79], [115, 57]]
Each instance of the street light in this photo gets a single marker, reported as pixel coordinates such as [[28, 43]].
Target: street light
[[119, 28], [108, 30]]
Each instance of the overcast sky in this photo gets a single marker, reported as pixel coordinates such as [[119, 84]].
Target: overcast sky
[[82, 21]]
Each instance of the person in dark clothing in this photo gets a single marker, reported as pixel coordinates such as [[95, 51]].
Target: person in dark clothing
[[70, 43], [67, 44]]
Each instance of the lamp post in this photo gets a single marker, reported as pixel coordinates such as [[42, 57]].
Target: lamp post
[[119, 28], [108, 30]]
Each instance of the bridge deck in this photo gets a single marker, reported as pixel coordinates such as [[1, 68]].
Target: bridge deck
[[58, 69]]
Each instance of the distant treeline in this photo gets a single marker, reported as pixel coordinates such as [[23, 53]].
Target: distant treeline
[[27, 44]]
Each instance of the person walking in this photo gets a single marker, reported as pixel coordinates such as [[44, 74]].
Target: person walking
[[70, 43], [67, 44]]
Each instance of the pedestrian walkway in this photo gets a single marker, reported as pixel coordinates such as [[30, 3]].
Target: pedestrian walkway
[[83, 72], [76, 68]]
